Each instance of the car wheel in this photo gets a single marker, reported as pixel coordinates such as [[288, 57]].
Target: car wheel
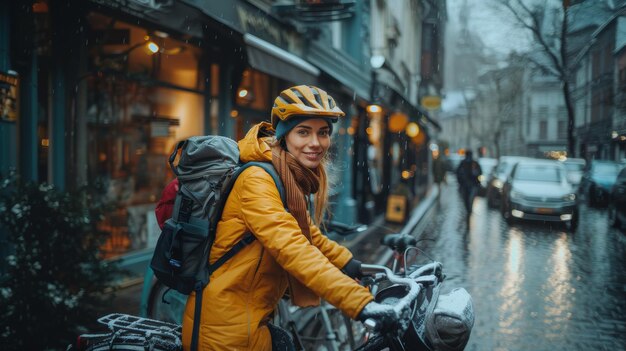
[[573, 223], [505, 210], [591, 197], [613, 220], [490, 201]]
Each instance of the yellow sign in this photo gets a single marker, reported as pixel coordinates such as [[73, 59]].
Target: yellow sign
[[431, 102], [396, 208]]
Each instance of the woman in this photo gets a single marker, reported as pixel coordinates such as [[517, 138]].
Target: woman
[[290, 251]]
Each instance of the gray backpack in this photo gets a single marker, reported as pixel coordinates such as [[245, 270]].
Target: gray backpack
[[206, 171]]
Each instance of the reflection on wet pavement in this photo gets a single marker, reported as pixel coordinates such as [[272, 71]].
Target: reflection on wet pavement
[[535, 286]]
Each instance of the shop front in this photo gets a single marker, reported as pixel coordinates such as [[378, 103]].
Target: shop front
[[394, 160], [100, 91], [150, 87]]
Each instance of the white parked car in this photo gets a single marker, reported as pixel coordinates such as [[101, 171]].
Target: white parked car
[[539, 190]]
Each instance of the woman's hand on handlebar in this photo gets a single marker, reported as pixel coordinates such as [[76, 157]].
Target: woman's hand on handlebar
[[385, 316]]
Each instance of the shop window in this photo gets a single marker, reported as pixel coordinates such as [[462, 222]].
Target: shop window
[[143, 95], [141, 53], [253, 101], [543, 130], [9, 87]]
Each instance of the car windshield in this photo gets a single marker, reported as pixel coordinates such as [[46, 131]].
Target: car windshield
[[606, 169], [538, 173], [504, 167], [574, 167]]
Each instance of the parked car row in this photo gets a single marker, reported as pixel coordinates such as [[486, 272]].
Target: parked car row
[[548, 190], [598, 180], [497, 178]]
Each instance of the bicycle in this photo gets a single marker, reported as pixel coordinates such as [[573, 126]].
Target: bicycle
[[316, 328], [324, 327], [331, 330], [435, 321]]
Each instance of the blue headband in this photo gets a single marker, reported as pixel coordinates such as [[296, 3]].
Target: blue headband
[[283, 127]]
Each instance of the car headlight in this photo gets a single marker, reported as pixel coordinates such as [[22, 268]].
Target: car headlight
[[569, 197], [497, 183], [514, 195]]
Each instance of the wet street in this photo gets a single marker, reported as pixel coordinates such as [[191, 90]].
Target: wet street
[[534, 286]]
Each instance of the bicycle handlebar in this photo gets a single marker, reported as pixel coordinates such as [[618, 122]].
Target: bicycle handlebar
[[398, 242], [404, 302], [433, 268]]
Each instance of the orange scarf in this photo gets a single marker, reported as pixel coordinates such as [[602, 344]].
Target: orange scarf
[[298, 182]]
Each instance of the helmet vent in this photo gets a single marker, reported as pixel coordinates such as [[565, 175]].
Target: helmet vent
[[318, 98], [287, 99]]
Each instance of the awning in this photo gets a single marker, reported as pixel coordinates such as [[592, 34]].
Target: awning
[[338, 65], [426, 118], [271, 59]]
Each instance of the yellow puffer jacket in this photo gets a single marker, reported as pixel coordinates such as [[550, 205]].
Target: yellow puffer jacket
[[243, 292]]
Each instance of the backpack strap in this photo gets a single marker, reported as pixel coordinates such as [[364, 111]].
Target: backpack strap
[[248, 238], [245, 241]]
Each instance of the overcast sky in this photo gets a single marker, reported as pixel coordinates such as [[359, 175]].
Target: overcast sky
[[493, 25]]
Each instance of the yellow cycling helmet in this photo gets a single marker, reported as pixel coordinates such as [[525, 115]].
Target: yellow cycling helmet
[[304, 100]]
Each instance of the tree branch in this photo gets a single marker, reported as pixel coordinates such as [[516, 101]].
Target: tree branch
[[535, 28]]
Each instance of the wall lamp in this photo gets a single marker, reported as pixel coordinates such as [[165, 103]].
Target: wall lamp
[[412, 130], [373, 108]]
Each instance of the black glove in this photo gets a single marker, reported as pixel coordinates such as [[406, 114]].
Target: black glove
[[353, 269], [385, 316]]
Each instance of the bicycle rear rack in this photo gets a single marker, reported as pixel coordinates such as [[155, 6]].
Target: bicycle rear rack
[[130, 330]]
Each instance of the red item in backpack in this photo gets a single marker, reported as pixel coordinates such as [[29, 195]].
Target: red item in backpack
[[165, 207]]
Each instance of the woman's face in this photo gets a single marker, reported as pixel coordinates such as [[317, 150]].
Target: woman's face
[[309, 141]]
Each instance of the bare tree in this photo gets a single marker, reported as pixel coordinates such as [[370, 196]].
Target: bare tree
[[553, 44]]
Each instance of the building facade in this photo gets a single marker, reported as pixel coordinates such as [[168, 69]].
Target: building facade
[[103, 90], [598, 92]]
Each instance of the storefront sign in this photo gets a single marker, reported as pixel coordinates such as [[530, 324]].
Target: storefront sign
[[168, 14], [9, 92], [261, 26]]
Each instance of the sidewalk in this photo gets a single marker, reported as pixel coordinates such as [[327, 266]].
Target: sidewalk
[[128, 298]]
